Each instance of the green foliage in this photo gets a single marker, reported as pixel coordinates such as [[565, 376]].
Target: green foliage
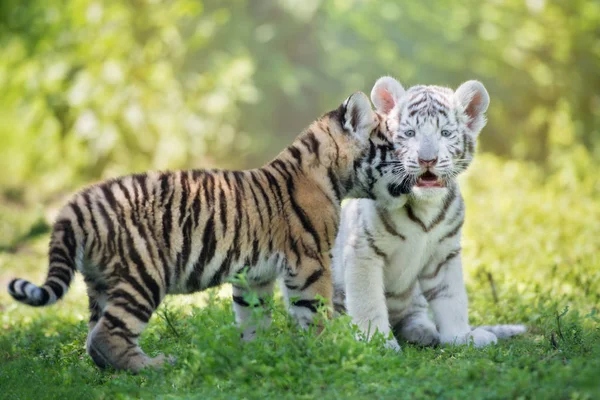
[[91, 89], [528, 239]]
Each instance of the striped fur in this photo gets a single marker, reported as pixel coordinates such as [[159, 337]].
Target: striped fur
[[138, 238], [393, 261]]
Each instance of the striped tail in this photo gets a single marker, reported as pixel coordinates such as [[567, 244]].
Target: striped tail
[[503, 331], [60, 273]]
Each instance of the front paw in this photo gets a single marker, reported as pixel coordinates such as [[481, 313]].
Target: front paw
[[423, 333], [478, 337]]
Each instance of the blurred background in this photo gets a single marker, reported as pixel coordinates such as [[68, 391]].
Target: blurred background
[[94, 89], [91, 89]]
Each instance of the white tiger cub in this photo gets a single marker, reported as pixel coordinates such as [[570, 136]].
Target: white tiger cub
[[391, 261]]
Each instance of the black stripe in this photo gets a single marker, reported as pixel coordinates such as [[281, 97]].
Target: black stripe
[[450, 256], [88, 204], [310, 304], [117, 323], [315, 276], [313, 143], [223, 206], [141, 314], [297, 154], [452, 232], [387, 224], [184, 197], [62, 273], [79, 215], [137, 287], [275, 188], [335, 183], [263, 194], [109, 224], [56, 288], [435, 292], [303, 217], [411, 215], [209, 244], [373, 246], [223, 269], [167, 219], [148, 280]]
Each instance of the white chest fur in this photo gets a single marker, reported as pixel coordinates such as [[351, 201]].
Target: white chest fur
[[392, 261]]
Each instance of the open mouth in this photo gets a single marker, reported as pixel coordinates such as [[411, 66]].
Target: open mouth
[[429, 180]]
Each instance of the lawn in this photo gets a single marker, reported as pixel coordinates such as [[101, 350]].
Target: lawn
[[531, 255]]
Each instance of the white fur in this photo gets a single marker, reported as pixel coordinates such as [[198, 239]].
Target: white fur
[[392, 261]]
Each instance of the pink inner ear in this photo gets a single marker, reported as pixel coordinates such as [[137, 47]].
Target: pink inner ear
[[472, 109], [386, 99]]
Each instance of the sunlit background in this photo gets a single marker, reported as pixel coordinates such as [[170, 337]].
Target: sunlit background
[[93, 89]]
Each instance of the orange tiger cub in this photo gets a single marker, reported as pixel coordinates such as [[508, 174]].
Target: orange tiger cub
[[138, 238]]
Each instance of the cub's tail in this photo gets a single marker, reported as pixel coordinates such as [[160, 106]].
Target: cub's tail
[[503, 331], [62, 254]]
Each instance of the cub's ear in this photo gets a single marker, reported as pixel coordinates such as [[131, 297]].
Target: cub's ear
[[359, 117], [475, 100], [386, 93]]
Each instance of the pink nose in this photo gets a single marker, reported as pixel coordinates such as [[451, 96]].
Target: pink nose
[[428, 163]]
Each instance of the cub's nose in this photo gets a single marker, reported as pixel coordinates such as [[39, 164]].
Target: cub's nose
[[428, 163]]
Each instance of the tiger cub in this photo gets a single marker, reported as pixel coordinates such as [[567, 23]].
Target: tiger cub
[[138, 238], [391, 261]]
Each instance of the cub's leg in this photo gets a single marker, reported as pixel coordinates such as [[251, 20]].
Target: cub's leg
[[443, 287], [365, 289], [409, 319], [114, 338], [97, 301], [302, 285], [243, 309]]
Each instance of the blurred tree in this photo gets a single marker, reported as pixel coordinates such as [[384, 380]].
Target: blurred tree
[[91, 88]]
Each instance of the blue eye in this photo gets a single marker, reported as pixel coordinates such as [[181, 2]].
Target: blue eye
[[446, 133], [409, 133]]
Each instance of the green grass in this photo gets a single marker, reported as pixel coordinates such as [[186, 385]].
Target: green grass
[[531, 255]]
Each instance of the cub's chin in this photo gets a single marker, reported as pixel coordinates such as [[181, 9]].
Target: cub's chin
[[429, 187], [428, 193]]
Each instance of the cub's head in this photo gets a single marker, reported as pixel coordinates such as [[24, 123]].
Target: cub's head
[[434, 129], [361, 156]]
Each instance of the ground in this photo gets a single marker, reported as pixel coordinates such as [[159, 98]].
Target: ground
[[531, 254]]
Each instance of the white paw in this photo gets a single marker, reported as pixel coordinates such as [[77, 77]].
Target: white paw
[[478, 337], [392, 344], [422, 332]]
